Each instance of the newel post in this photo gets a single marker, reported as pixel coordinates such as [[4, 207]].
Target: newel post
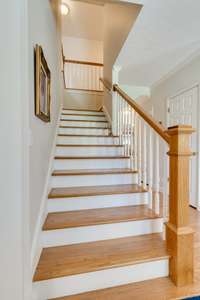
[[179, 236]]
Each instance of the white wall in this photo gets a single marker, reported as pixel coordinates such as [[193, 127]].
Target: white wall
[[83, 49], [14, 201], [118, 21], [81, 100], [136, 91], [42, 30], [183, 78]]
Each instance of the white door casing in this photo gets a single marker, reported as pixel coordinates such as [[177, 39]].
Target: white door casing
[[183, 109]]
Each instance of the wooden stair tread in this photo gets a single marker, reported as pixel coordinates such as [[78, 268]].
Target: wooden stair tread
[[83, 127], [79, 120], [88, 135], [92, 172], [85, 115], [76, 259], [92, 157], [89, 217], [68, 192], [82, 109], [90, 145]]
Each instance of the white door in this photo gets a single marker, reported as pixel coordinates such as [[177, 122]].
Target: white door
[[183, 109]]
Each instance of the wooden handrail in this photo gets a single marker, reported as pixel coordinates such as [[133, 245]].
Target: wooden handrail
[[106, 84], [179, 235], [80, 62], [159, 128]]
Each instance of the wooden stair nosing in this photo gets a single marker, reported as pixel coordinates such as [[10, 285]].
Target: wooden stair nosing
[[61, 261], [84, 127], [89, 145], [88, 135], [76, 109], [92, 172], [79, 120], [98, 216], [86, 191], [85, 115], [92, 157]]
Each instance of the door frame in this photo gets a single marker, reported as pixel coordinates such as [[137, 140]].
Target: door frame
[[197, 129]]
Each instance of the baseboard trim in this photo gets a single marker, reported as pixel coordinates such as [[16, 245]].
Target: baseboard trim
[[36, 248]]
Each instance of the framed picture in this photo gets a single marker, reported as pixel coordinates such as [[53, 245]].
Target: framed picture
[[42, 86]]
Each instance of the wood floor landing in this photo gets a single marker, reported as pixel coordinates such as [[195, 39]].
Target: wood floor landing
[[89, 217], [94, 256], [92, 172], [95, 190], [156, 289]]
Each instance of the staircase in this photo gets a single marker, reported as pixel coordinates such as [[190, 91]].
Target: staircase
[[99, 231]]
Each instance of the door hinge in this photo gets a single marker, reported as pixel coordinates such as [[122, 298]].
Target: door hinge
[[168, 110]]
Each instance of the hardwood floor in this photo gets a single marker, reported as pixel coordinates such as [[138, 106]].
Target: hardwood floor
[[88, 217], [157, 289], [76, 259]]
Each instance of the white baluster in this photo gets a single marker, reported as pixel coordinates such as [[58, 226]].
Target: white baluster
[[115, 97], [129, 131], [126, 127], [144, 158], [135, 140], [139, 150], [157, 176], [150, 168], [131, 137], [123, 122], [165, 184], [120, 120], [118, 113]]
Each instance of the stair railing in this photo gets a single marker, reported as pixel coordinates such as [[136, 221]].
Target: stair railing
[[143, 138]]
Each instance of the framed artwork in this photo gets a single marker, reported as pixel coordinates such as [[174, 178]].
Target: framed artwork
[[42, 86]]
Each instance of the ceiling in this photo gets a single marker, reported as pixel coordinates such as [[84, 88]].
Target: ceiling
[[96, 2], [90, 20], [165, 34]]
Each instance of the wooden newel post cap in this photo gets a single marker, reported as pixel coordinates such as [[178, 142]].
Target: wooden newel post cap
[[180, 140], [182, 129]]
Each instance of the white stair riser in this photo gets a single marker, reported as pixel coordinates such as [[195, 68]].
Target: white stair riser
[[92, 202], [83, 112], [69, 164], [87, 140], [76, 284], [92, 118], [90, 180], [86, 151], [94, 233], [84, 124], [86, 131]]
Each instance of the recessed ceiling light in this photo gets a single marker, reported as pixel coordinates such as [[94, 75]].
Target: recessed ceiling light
[[64, 9]]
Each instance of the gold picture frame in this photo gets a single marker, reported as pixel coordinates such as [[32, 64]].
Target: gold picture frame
[[42, 86]]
